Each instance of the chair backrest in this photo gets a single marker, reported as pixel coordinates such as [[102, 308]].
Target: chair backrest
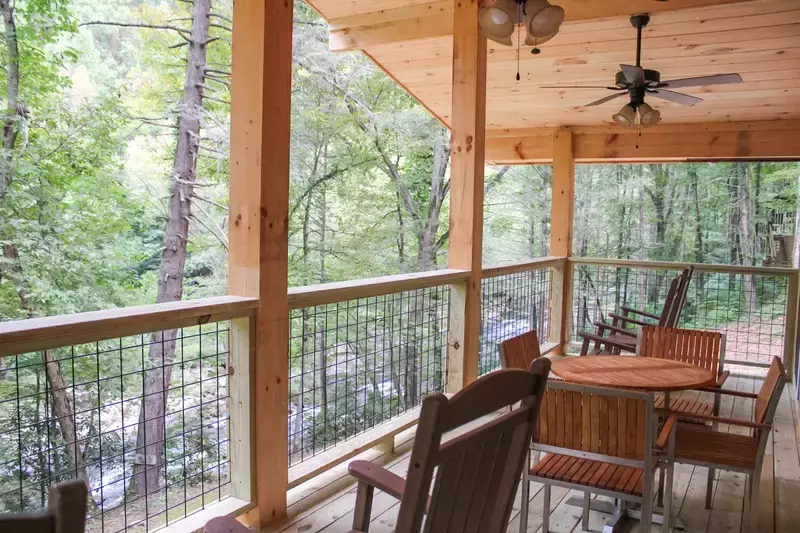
[[610, 422], [676, 298], [477, 473], [520, 351], [770, 393], [705, 349], [669, 300], [66, 512]]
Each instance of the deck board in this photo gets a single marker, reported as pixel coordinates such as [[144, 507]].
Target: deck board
[[331, 511]]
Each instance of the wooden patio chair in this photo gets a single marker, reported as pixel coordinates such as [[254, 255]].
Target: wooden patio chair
[[617, 336], [705, 446], [474, 476], [705, 349], [520, 351], [599, 440], [66, 512]]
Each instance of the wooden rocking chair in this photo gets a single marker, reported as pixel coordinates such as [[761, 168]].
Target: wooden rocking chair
[[617, 336], [66, 512], [474, 476]]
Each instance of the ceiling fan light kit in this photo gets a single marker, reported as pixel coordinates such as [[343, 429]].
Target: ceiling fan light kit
[[540, 18], [637, 83]]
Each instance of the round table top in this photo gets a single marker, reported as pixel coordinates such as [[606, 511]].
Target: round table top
[[631, 372]]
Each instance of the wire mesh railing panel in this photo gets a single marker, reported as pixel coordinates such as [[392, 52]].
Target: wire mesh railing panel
[[749, 308], [358, 363], [513, 304], [143, 419]]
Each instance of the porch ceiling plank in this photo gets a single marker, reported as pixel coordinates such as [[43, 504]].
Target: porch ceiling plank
[[760, 39], [359, 30], [666, 142]]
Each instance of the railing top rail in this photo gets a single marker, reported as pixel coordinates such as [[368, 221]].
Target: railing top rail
[[342, 291], [521, 266], [24, 336], [669, 265]]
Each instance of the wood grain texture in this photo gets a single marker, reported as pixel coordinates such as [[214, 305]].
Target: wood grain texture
[[719, 141], [412, 40], [259, 217], [466, 192], [23, 336], [631, 372]]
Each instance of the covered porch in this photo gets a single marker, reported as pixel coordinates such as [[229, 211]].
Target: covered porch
[[281, 443]]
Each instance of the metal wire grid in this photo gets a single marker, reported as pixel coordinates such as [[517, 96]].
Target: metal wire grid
[[358, 363], [750, 309], [511, 305], [103, 387]]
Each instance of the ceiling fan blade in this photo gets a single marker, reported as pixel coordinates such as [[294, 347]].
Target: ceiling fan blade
[[634, 75], [604, 100], [582, 87], [678, 98], [719, 79]]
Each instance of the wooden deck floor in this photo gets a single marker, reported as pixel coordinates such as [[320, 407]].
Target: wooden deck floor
[[325, 504]]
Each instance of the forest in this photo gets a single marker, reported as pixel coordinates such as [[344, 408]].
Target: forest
[[114, 192]]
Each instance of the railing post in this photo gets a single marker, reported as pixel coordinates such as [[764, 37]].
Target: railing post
[[241, 361], [790, 333], [466, 192], [259, 212], [561, 229]]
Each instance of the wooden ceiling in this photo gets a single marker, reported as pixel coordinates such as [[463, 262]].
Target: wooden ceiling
[[411, 40]]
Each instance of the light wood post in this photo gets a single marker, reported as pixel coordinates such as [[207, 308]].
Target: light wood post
[[259, 208], [561, 228], [790, 329], [466, 192]]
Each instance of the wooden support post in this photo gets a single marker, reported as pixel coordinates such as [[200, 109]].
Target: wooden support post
[[561, 217], [466, 192], [790, 329], [259, 208], [386, 445]]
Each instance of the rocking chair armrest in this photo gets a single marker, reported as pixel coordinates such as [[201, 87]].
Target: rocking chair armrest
[[629, 320], [603, 340], [722, 378], [669, 427], [616, 329], [378, 477], [627, 310]]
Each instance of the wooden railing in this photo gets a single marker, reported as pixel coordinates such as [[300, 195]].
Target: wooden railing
[[72, 390], [363, 330]]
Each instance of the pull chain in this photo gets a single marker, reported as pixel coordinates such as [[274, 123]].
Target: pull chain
[[519, 10]]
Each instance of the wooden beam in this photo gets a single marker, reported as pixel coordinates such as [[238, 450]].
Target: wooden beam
[[466, 193], [715, 141], [259, 207], [435, 19], [561, 230]]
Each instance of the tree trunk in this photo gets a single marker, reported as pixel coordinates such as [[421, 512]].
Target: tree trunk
[[746, 240], [428, 248], [63, 409], [149, 459], [13, 107], [699, 250]]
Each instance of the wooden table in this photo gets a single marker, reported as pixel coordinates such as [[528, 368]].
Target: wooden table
[[629, 372], [632, 372]]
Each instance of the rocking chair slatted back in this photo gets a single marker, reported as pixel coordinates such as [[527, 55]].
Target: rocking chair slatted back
[[66, 512], [477, 473]]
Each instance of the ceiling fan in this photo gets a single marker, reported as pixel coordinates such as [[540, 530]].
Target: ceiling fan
[[638, 82]]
